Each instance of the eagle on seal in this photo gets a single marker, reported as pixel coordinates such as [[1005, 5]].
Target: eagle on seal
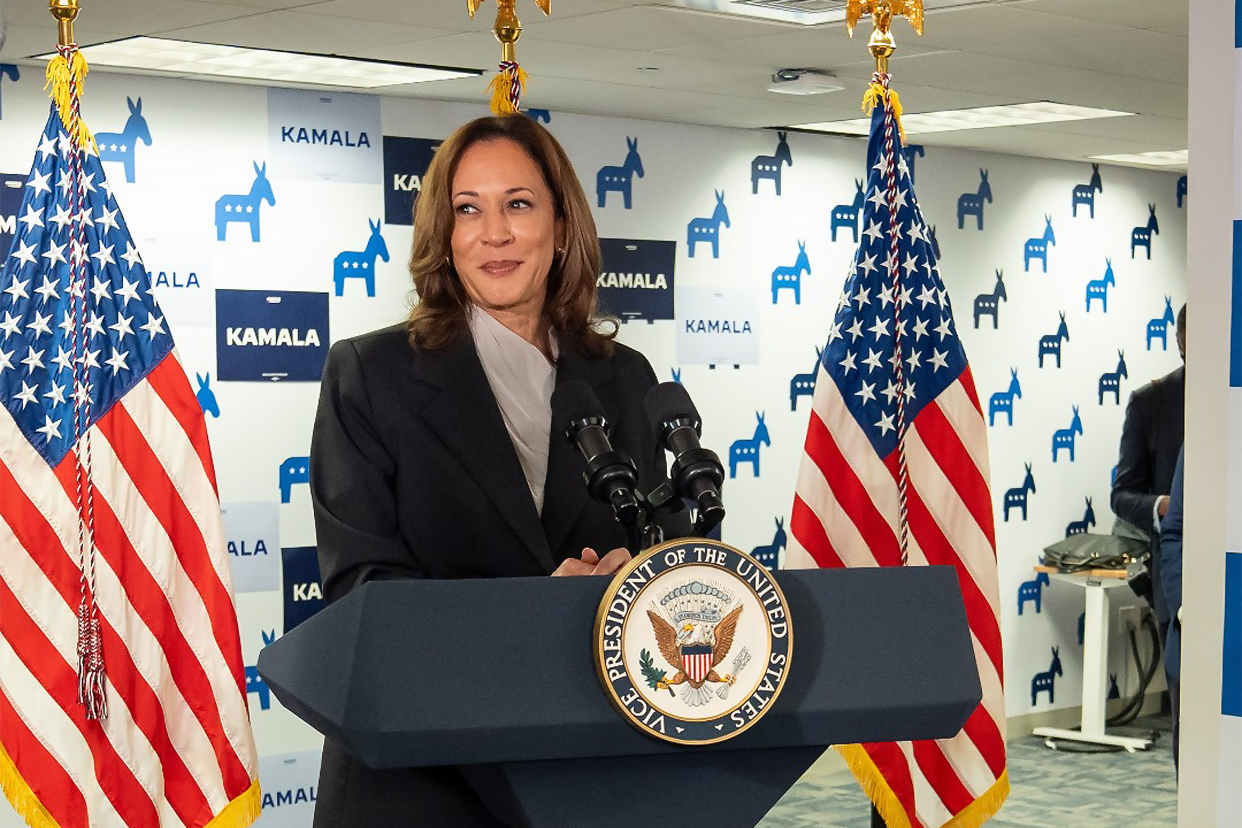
[[671, 642]]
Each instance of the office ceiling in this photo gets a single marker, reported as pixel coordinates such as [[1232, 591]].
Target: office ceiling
[[652, 61]]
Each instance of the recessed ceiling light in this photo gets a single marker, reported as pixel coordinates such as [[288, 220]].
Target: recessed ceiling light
[[984, 117], [184, 58], [1160, 158]]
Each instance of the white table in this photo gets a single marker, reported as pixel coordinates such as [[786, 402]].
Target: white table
[[1096, 582]]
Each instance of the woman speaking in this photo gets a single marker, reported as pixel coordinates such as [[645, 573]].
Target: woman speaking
[[433, 454]]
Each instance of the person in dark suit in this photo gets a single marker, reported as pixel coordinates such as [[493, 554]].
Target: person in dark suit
[[433, 454], [1151, 438], [1171, 586]]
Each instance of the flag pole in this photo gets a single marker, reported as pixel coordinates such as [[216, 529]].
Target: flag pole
[[507, 86], [882, 45]]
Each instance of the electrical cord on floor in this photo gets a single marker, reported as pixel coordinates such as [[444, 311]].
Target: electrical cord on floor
[[1134, 706]]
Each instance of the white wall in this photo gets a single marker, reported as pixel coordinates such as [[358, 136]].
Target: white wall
[[206, 136]]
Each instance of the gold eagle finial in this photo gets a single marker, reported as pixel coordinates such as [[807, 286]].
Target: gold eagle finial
[[882, 12]]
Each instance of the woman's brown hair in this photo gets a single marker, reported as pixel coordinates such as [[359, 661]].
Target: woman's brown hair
[[570, 304]]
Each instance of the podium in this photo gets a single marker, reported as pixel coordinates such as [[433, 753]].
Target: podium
[[498, 676]]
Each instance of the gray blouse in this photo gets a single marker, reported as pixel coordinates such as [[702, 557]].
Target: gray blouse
[[522, 381]]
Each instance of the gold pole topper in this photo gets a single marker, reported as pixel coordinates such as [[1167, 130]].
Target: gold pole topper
[[506, 87], [508, 28], [64, 11], [882, 44]]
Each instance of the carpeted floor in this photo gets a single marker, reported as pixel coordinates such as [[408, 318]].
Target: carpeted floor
[[1049, 789]]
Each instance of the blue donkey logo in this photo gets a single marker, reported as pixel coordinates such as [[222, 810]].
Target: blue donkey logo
[[1002, 401], [123, 146], [255, 683], [1098, 288], [803, 385], [1043, 682], [1050, 345], [1110, 382], [971, 204], [1037, 247], [1033, 590], [769, 166], [1063, 438], [747, 451], [293, 471], [988, 304], [1081, 527], [846, 215], [1141, 236], [1084, 194], [1181, 191], [1158, 328], [1016, 498], [354, 265], [544, 115], [708, 229], [10, 71], [245, 208], [769, 555], [206, 397], [908, 152], [790, 276], [620, 179]]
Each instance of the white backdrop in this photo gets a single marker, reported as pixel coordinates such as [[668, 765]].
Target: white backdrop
[[206, 140]]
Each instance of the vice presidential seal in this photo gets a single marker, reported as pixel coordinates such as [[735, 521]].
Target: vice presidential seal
[[693, 641]]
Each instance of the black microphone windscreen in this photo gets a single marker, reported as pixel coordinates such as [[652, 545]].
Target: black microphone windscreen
[[669, 401], [574, 400]]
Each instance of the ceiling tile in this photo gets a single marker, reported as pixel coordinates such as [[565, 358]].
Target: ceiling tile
[[822, 47], [967, 27], [451, 14], [295, 31], [130, 17], [653, 27], [1138, 15], [1099, 52]]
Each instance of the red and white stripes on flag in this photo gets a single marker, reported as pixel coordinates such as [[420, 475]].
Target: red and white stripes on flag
[[845, 514], [176, 748], [894, 394]]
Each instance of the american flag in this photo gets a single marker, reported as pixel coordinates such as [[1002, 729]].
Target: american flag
[[893, 356], [94, 358]]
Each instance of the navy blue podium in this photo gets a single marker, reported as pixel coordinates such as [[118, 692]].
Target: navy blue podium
[[498, 676]]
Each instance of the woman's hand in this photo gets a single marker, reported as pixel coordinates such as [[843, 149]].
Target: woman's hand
[[592, 564]]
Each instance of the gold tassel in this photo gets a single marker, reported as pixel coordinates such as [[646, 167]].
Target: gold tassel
[[502, 88], [20, 796], [874, 95], [877, 789], [241, 812], [58, 78]]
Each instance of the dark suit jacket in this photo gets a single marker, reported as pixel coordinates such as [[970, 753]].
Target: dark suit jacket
[[413, 475], [1150, 441], [1171, 572]]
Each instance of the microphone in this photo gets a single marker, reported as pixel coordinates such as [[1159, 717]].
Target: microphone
[[610, 476], [696, 472]]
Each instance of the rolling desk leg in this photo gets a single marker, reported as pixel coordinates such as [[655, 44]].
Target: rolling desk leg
[[1094, 680]]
